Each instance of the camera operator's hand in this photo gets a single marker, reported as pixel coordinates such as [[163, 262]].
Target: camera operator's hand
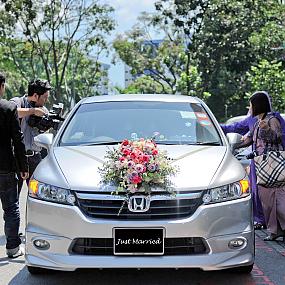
[[24, 175], [38, 112]]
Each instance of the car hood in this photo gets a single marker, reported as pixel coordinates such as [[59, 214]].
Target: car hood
[[198, 165]]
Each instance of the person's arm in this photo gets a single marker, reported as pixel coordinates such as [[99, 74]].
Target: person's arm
[[24, 112], [18, 142], [241, 127]]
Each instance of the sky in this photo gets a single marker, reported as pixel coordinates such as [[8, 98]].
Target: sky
[[126, 13]]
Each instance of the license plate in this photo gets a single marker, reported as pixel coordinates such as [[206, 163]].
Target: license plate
[[138, 241]]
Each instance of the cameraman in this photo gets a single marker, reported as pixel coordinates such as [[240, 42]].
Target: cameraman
[[28, 105]]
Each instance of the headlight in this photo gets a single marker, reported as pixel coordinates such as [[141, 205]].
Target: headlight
[[50, 193], [228, 192]]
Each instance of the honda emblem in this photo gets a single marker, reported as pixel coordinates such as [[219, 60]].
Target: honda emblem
[[139, 203]]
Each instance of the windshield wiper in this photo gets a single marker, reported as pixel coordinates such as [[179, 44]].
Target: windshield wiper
[[101, 143], [208, 143], [166, 143], [157, 142]]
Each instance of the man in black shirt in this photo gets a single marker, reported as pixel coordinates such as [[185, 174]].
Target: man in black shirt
[[12, 158]]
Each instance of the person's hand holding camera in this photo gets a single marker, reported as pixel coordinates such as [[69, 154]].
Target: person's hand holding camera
[[38, 112]]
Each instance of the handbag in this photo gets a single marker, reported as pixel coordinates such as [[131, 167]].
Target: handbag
[[270, 167]]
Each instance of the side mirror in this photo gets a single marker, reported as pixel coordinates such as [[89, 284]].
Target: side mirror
[[234, 140], [44, 140]]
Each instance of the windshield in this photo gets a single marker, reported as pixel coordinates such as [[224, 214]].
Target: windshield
[[112, 122]]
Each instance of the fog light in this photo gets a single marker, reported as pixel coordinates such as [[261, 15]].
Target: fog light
[[237, 243], [41, 244], [207, 198], [70, 199]]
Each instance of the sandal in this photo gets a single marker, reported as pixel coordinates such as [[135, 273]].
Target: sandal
[[273, 237]]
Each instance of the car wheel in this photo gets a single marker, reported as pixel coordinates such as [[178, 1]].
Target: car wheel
[[242, 269], [37, 270]]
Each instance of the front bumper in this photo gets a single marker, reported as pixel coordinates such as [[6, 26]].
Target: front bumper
[[217, 224]]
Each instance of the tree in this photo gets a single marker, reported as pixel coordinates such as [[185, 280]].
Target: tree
[[235, 36], [165, 61], [52, 32], [15, 84], [145, 85], [185, 19], [226, 38], [269, 76]]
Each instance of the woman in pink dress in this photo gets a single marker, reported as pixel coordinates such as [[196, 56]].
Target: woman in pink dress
[[267, 133]]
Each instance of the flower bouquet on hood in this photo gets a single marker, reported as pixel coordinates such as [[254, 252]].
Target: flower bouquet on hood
[[137, 166]]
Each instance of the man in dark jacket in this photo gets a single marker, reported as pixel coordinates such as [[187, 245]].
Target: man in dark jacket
[[12, 156]]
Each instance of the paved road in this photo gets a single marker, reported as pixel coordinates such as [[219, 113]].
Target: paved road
[[268, 270]]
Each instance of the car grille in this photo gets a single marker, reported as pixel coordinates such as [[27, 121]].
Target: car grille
[[162, 205], [172, 246]]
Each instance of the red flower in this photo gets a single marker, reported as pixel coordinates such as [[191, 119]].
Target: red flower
[[154, 151], [133, 155], [126, 152], [136, 180], [145, 158], [125, 142]]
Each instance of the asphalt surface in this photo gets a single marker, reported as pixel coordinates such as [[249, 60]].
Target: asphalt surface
[[269, 269]]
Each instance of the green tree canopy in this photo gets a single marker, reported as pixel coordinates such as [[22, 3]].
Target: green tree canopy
[[270, 77], [236, 35], [164, 61], [46, 39], [222, 39]]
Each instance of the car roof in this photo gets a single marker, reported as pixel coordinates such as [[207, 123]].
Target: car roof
[[235, 119], [240, 118], [141, 97]]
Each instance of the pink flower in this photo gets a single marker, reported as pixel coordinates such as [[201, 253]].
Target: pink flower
[[122, 159], [152, 167], [139, 168], [134, 174], [131, 164], [132, 188]]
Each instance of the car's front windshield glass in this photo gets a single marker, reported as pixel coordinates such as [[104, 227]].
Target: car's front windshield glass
[[112, 122]]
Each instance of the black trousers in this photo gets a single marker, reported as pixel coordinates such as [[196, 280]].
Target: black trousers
[[33, 162], [10, 204]]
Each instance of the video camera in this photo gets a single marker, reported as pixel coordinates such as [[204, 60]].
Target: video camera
[[50, 120]]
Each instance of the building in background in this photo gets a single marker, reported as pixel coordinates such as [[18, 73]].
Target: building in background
[[129, 77], [103, 85]]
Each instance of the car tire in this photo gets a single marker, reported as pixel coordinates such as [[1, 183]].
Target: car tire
[[37, 270], [242, 269]]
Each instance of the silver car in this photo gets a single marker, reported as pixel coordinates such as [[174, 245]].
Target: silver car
[[73, 221]]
